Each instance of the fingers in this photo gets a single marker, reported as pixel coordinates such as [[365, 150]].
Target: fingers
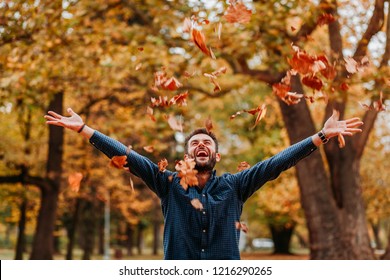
[[54, 114], [336, 114], [57, 123], [50, 118], [352, 120], [70, 111]]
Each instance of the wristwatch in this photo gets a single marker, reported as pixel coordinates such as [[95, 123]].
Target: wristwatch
[[322, 136]]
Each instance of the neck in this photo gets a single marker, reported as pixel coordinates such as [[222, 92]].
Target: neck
[[203, 177]]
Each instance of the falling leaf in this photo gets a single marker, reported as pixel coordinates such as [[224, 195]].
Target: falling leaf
[[312, 82], [325, 19], [344, 86], [149, 149], [241, 226], [261, 111], [197, 204], [149, 112], [174, 123], [171, 84], [74, 181], [219, 30], [237, 12], [138, 66], [118, 161], [200, 41], [131, 184], [161, 101], [180, 99], [187, 25], [283, 92], [140, 49], [378, 105], [243, 166], [208, 124], [341, 140], [187, 173], [162, 165], [352, 66]]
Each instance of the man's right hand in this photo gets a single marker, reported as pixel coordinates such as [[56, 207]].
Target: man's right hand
[[74, 122]]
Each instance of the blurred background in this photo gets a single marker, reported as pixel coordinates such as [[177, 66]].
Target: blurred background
[[60, 199]]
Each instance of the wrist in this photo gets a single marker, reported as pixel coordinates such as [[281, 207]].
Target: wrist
[[81, 128], [322, 135]]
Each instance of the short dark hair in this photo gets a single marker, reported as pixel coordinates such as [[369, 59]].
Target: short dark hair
[[200, 131]]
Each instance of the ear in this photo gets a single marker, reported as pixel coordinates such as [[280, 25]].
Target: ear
[[217, 157]]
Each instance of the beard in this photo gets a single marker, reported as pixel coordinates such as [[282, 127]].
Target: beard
[[206, 166]]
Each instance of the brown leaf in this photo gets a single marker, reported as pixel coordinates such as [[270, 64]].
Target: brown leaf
[[171, 84], [237, 12], [138, 66], [180, 99], [162, 165], [243, 166], [118, 161], [149, 112], [283, 92], [261, 111], [341, 140], [149, 149], [378, 105], [197, 204], [208, 124], [200, 41], [161, 101], [74, 181], [325, 19], [312, 82], [352, 66], [241, 226]]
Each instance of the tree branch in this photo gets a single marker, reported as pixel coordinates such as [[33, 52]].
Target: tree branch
[[374, 26]]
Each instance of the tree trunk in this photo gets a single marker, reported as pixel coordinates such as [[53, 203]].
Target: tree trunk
[[20, 245], [129, 240], [88, 229], [281, 236], [386, 255], [72, 230], [330, 238], [42, 248], [140, 237], [376, 230]]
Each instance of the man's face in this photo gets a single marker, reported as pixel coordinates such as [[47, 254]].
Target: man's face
[[201, 147]]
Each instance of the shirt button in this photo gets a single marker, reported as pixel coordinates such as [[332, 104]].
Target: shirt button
[[203, 195], [202, 250], [204, 230], [204, 213]]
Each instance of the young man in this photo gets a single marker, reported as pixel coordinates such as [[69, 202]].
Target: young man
[[210, 231]]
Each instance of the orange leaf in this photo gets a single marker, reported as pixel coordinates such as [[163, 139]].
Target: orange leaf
[[200, 41], [312, 82], [149, 112], [197, 204], [261, 111], [74, 181], [187, 173], [162, 165], [208, 124], [341, 139], [325, 19], [241, 226], [180, 99], [118, 161], [237, 12], [378, 105], [243, 166], [149, 149]]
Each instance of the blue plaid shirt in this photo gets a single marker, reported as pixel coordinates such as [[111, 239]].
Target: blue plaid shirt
[[211, 233]]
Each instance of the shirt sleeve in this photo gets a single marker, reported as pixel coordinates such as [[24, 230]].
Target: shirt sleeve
[[139, 165], [250, 180]]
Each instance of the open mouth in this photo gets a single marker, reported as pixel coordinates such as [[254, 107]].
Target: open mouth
[[202, 153]]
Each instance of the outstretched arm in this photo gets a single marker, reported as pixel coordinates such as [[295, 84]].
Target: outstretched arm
[[74, 122], [333, 127]]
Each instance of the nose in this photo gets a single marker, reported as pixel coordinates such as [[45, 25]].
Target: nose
[[201, 144]]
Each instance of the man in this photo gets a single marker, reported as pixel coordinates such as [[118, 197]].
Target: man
[[208, 231]]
